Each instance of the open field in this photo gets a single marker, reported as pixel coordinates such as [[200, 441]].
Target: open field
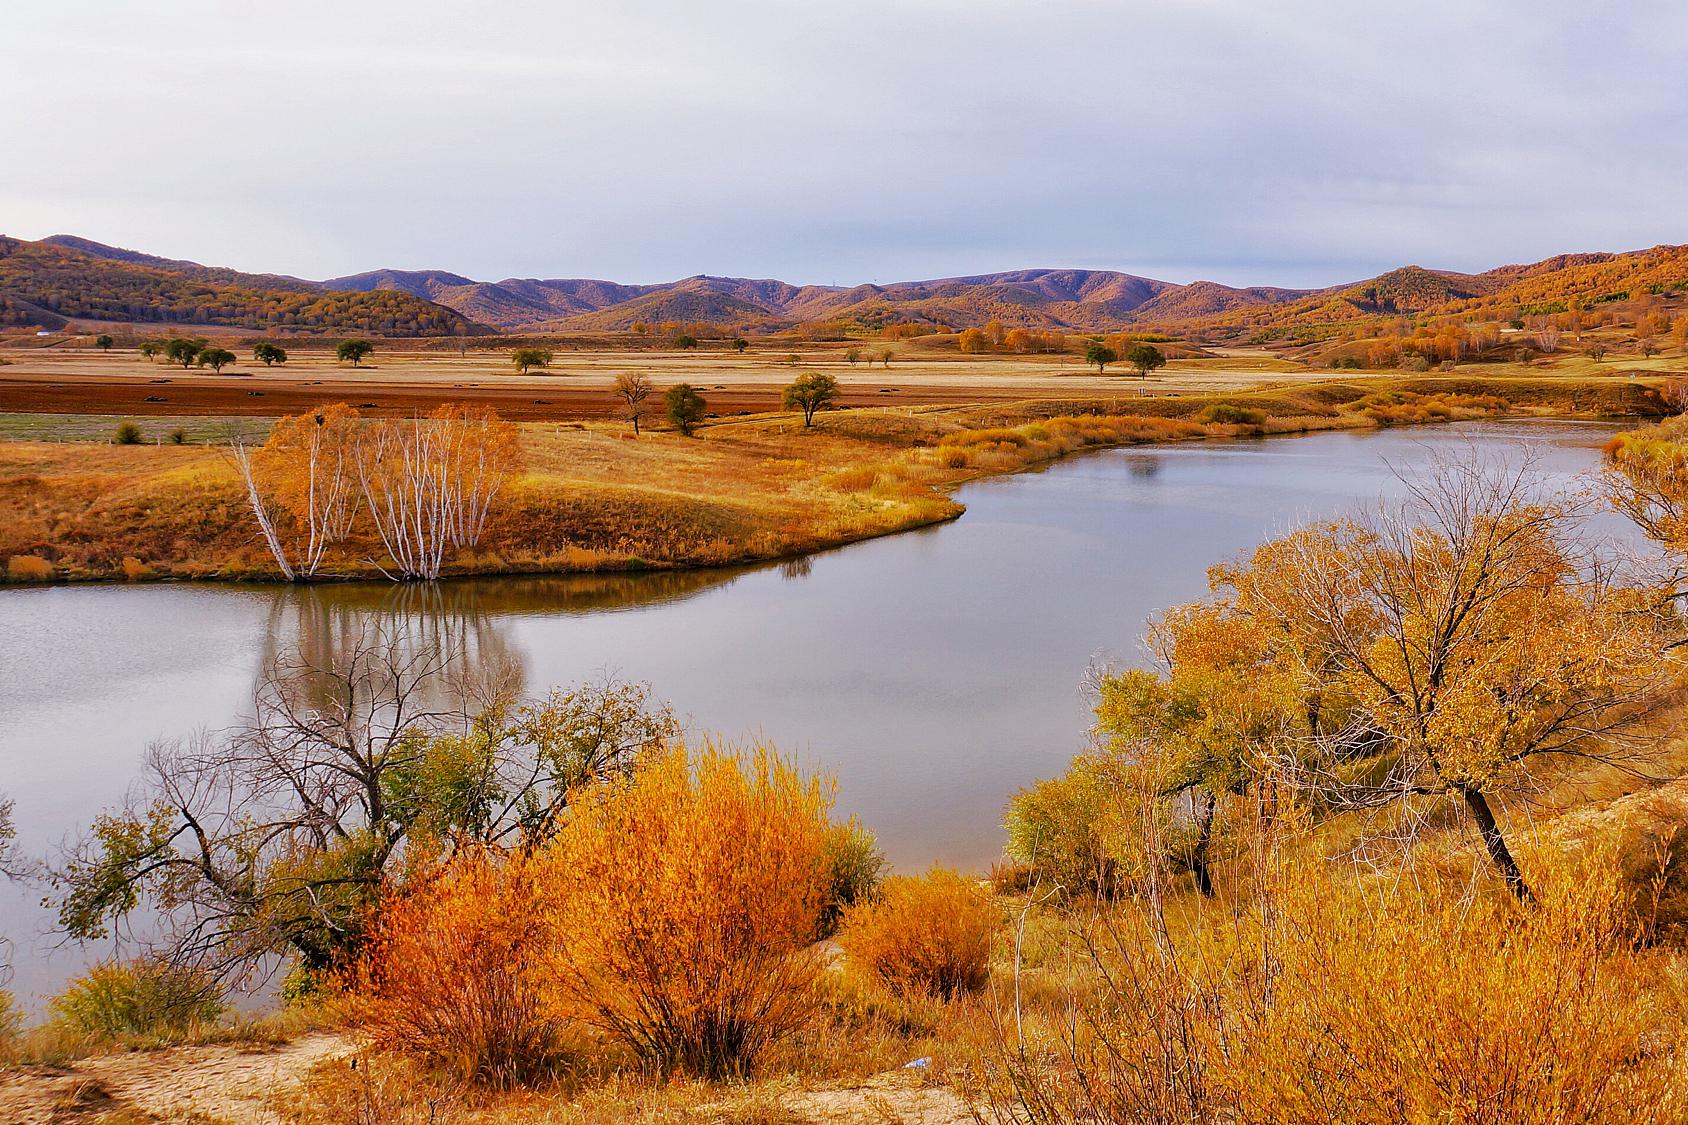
[[578, 383], [593, 497]]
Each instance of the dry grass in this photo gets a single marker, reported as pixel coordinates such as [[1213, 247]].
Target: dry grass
[[748, 489]]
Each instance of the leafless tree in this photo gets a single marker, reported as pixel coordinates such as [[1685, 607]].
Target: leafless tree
[[633, 389], [277, 837]]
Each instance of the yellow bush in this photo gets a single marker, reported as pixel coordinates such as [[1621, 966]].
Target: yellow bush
[[29, 568], [1369, 1001], [682, 905], [930, 934]]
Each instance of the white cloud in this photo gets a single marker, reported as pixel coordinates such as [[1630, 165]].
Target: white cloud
[[1297, 142]]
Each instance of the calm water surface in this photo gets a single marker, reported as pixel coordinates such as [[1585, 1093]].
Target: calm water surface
[[932, 672]]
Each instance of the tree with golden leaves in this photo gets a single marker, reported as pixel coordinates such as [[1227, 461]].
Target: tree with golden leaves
[[1470, 642]]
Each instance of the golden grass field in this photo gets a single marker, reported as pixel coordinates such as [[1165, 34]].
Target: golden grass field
[[753, 485]]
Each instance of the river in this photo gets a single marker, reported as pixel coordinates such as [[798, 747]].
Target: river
[[932, 672]]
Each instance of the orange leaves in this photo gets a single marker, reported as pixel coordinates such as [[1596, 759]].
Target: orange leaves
[[929, 935], [450, 973], [682, 905]]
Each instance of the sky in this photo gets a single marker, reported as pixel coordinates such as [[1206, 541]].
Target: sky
[[1289, 142]]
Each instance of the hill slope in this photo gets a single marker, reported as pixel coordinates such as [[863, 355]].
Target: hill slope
[[54, 281]]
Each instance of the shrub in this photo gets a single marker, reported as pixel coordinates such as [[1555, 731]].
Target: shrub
[[1322, 998], [854, 867], [11, 1016], [1062, 829], [682, 905], [1346, 363], [140, 997], [178, 437], [127, 433], [29, 568], [1228, 414], [930, 934], [449, 974]]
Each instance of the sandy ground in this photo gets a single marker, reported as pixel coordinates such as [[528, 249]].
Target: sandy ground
[[225, 1084], [235, 1085], [578, 384]]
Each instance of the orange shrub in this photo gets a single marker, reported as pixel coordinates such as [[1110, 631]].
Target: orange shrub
[[928, 934], [29, 568], [449, 973], [682, 906]]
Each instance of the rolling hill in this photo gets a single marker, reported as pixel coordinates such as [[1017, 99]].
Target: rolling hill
[[65, 277], [55, 281]]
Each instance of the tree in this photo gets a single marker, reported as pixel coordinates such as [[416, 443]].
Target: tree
[[810, 393], [103, 342], [1145, 358], [430, 483], [740, 344], [972, 341], [685, 407], [852, 356], [182, 351], [215, 358], [1597, 352], [354, 350], [1471, 642], [150, 349], [685, 342], [633, 389], [278, 837], [526, 359], [886, 356], [1101, 355], [269, 354], [309, 464]]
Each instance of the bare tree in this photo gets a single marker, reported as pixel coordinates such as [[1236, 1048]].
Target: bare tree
[[265, 508], [277, 837], [633, 389]]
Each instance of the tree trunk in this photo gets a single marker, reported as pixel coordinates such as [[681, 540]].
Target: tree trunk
[[1204, 840], [1499, 854]]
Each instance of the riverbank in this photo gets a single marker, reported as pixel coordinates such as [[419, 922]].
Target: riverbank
[[594, 497]]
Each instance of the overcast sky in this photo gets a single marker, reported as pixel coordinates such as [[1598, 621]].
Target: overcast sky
[[1247, 141]]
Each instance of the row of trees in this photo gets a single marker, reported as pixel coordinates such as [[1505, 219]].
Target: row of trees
[[1144, 358], [186, 351], [422, 487]]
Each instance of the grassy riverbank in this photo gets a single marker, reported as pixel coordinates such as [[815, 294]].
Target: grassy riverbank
[[594, 497]]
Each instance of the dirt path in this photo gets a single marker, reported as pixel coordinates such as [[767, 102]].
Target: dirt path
[[225, 1084]]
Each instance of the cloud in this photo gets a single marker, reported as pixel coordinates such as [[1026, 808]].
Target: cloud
[[1294, 142]]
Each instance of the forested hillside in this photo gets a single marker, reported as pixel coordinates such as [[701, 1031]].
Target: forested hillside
[[48, 284]]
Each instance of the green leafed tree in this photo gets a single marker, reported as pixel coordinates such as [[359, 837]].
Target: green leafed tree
[[810, 393], [269, 354], [527, 359], [1145, 358], [685, 407], [183, 351], [355, 351], [215, 358], [1101, 355]]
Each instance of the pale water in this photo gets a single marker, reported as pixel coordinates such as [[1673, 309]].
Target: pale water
[[932, 672]]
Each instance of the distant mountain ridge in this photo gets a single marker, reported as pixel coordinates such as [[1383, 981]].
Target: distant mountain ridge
[[67, 277]]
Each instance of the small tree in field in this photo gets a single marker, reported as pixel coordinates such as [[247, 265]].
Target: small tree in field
[[356, 351], [269, 354], [1145, 358], [810, 393], [1101, 355], [103, 342], [633, 389], [183, 351], [685, 342], [150, 349], [740, 344], [215, 358], [526, 359], [853, 356], [686, 408]]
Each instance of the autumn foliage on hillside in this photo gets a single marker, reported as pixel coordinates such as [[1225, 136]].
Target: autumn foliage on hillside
[[45, 284]]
